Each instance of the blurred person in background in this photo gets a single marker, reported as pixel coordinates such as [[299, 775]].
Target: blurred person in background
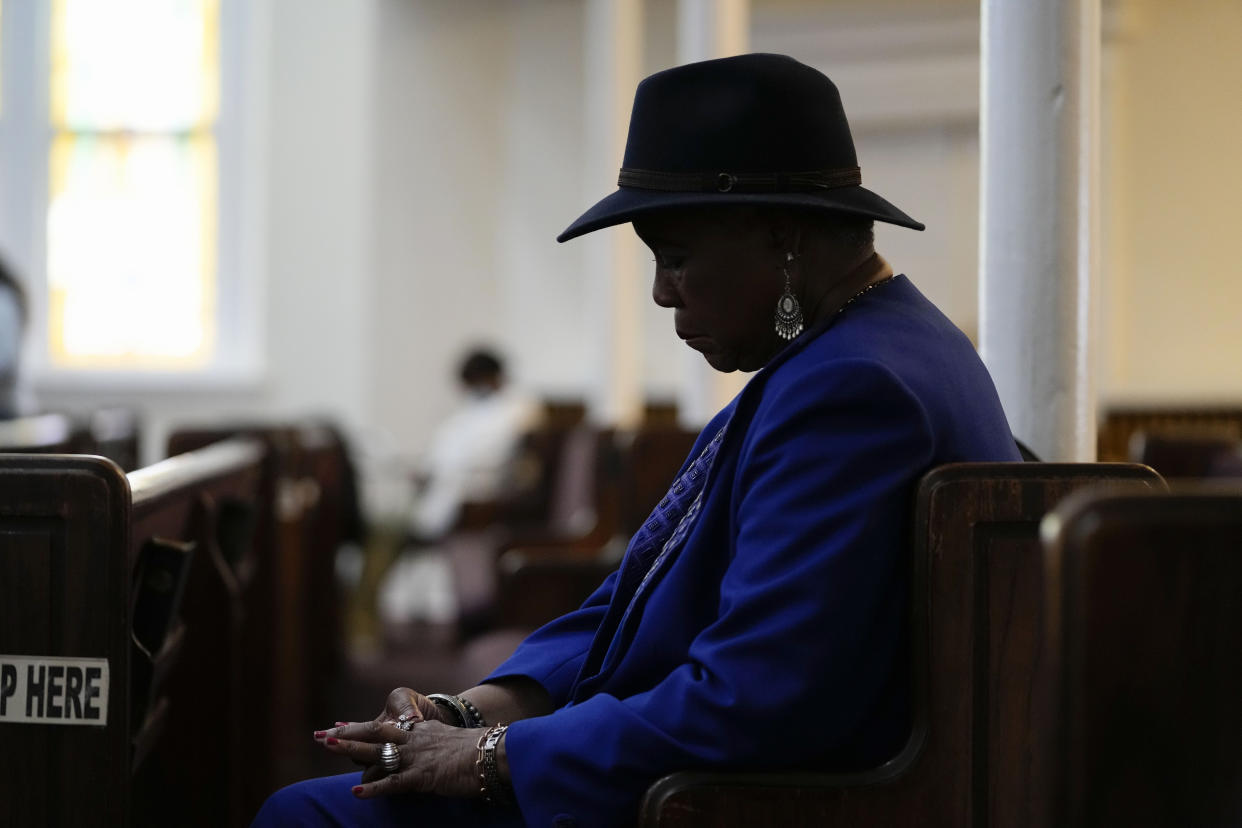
[[14, 399], [471, 453], [470, 459]]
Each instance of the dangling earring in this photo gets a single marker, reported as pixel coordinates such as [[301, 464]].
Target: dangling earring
[[788, 310]]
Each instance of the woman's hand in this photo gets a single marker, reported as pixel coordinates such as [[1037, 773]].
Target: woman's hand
[[433, 757], [404, 704]]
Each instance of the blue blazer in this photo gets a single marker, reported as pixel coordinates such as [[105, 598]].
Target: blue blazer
[[776, 635]]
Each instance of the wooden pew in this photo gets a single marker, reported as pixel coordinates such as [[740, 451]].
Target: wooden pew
[[583, 513], [297, 642], [541, 581], [977, 753], [146, 717], [1190, 455], [537, 581], [1122, 424], [1146, 633], [111, 433]]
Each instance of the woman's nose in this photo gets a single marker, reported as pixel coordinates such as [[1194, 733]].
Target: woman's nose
[[663, 291]]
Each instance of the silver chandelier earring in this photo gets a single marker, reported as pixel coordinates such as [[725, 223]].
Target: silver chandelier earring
[[788, 310]]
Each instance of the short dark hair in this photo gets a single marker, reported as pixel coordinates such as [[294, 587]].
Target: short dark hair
[[852, 233], [481, 365]]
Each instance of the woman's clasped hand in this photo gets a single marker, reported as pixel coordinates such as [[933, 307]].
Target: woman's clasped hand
[[433, 755]]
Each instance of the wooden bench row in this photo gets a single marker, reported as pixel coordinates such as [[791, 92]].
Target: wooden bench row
[[150, 622], [1085, 679]]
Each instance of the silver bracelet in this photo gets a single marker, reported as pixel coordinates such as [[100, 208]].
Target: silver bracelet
[[491, 787], [451, 703]]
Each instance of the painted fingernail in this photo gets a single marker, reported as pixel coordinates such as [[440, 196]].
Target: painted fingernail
[[331, 740], [319, 734], [342, 724], [357, 790]]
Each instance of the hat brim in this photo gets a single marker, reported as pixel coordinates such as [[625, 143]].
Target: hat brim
[[629, 203]]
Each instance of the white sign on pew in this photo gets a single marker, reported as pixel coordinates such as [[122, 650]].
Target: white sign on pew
[[51, 690]]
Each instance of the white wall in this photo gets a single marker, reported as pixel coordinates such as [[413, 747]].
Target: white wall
[[1172, 209], [544, 289], [439, 160]]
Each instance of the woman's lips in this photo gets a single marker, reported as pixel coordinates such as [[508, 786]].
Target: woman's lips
[[697, 341]]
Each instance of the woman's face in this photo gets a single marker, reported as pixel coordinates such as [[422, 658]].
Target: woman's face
[[719, 270]]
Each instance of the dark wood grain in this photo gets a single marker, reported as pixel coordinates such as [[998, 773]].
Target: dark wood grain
[[978, 751], [1148, 628], [63, 535]]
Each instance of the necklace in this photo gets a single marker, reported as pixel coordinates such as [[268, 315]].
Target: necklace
[[860, 293]]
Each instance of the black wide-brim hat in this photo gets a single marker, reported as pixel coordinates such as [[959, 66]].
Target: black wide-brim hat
[[753, 129]]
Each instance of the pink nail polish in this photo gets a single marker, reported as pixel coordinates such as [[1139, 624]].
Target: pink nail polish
[[331, 740], [357, 789], [319, 734], [342, 724]]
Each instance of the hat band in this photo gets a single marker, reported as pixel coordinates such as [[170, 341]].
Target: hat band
[[725, 182]]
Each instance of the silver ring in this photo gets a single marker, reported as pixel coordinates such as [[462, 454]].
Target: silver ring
[[390, 758], [405, 725]]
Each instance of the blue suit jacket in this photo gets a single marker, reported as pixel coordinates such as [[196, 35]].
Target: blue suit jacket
[[777, 634]]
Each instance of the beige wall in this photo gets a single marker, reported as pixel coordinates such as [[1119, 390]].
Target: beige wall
[[1173, 203]]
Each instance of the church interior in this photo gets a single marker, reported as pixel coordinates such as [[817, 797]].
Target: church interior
[[254, 242]]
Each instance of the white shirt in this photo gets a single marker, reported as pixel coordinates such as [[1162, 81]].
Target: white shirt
[[470, 457]]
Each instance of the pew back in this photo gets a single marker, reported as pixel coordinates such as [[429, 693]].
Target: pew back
[[292, 607], [85, 553], [976, 755], [64, 591], [1148, 636]]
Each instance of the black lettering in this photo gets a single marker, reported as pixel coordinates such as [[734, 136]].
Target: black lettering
[[92, 692], [8, 684], [73, 692], [54, 675], [34, 690]]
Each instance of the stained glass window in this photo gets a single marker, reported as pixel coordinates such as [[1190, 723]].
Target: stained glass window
[[131, 223]]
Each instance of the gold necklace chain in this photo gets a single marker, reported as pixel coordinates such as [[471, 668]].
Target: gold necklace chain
[[860, 293]]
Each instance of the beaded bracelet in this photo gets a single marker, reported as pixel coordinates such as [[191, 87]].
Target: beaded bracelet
[[492, 788], [467, 714], [476, 718]]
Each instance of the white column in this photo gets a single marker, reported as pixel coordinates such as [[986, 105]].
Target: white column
[[1038, 257], [708, 29], [613, 65]]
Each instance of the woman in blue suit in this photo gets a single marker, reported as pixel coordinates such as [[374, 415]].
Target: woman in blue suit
[[758, 618]]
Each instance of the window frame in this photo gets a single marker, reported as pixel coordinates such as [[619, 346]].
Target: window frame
[[240, 132]]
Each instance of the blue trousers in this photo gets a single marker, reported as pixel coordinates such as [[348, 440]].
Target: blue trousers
[[328, 802]]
